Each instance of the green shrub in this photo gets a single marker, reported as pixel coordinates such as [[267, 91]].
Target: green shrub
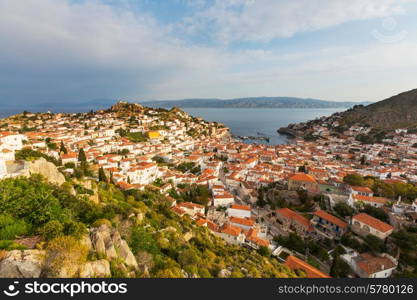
[[10, 245], [10, 228], [51, 230]]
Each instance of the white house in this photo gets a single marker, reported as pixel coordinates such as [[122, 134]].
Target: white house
[[243, 223], [364, 224], [3, 169], [232, 234], [224, 199], [12, 141], [367, 265], [239, 211]]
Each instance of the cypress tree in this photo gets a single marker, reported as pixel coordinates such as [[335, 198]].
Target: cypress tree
[[102, 175], [63, 149], [81, 156]]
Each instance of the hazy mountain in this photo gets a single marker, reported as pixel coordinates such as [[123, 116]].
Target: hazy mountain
[[255, 102]]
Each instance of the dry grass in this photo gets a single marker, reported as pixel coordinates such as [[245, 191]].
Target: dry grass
[[3, 254]]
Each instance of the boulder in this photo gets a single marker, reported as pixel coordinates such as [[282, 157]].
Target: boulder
[[107, 240], [225, 273], [96, 269], [22, 264], [46, 169], [127, 255]]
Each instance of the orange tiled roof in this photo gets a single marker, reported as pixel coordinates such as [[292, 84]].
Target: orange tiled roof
[[332, 219], [290, 214], [371, 264], [241, 221], [373, 222], [241, 207], [380, 200], [231, 230], [303, 177], [295, 263], [362, 189]]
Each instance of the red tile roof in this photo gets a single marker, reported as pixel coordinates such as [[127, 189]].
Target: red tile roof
[[380, 200], [242, 221], [292, 215], [332, 219], [241, 207], [231, 230], [373, 222], [303, 177], [371, 264], [295, 263], [362, 189]]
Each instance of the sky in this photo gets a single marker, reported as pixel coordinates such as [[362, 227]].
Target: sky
[[78, 50]]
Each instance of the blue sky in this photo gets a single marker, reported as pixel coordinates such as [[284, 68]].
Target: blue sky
[[78, 50]]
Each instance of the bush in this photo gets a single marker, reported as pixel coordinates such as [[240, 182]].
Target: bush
[[10, 245], [76, 229], [10, 228], [65, 253], [51, 230], [100, 222]]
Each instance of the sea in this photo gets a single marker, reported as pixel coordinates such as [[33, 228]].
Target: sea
[[257, 122], [260, 122]]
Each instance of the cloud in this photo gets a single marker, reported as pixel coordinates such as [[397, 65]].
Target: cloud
[[55, 49], [62, 50], [265, 20]]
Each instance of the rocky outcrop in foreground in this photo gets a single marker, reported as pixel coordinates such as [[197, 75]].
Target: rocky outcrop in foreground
[[22, 264], [46, 169], [104, 240], [108, 242]]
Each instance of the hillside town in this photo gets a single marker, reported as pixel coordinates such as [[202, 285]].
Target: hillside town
[[330, 206]]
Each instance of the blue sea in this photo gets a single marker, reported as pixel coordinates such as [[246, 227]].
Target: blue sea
[[260, 121]]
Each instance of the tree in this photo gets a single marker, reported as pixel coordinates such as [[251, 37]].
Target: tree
[[339, 268], [62, 148], [376, 212], [375, 244], [302, 169], [81, 156], [102, 175], [354, 179], [264, 251], [343, 209]]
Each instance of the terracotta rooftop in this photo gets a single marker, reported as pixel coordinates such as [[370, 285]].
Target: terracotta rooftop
[[296, 217], [373, 222], [332, 219], [371, 264], [241, 207], [380, 200], [295, 263], [241, 221], [303, 177]]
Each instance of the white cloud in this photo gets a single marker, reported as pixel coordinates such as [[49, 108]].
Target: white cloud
[[91, 50], [54, 50], [265, 20]]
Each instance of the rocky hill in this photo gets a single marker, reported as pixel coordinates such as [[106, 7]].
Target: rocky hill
[[383, 117], [399, 111], [50, 231]]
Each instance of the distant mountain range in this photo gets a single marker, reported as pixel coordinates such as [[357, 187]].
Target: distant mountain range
[[254, 102]]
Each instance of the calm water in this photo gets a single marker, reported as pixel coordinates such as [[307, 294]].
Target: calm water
[[260, 121]]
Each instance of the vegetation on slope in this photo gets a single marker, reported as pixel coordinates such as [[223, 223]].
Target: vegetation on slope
[[165, 245]]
